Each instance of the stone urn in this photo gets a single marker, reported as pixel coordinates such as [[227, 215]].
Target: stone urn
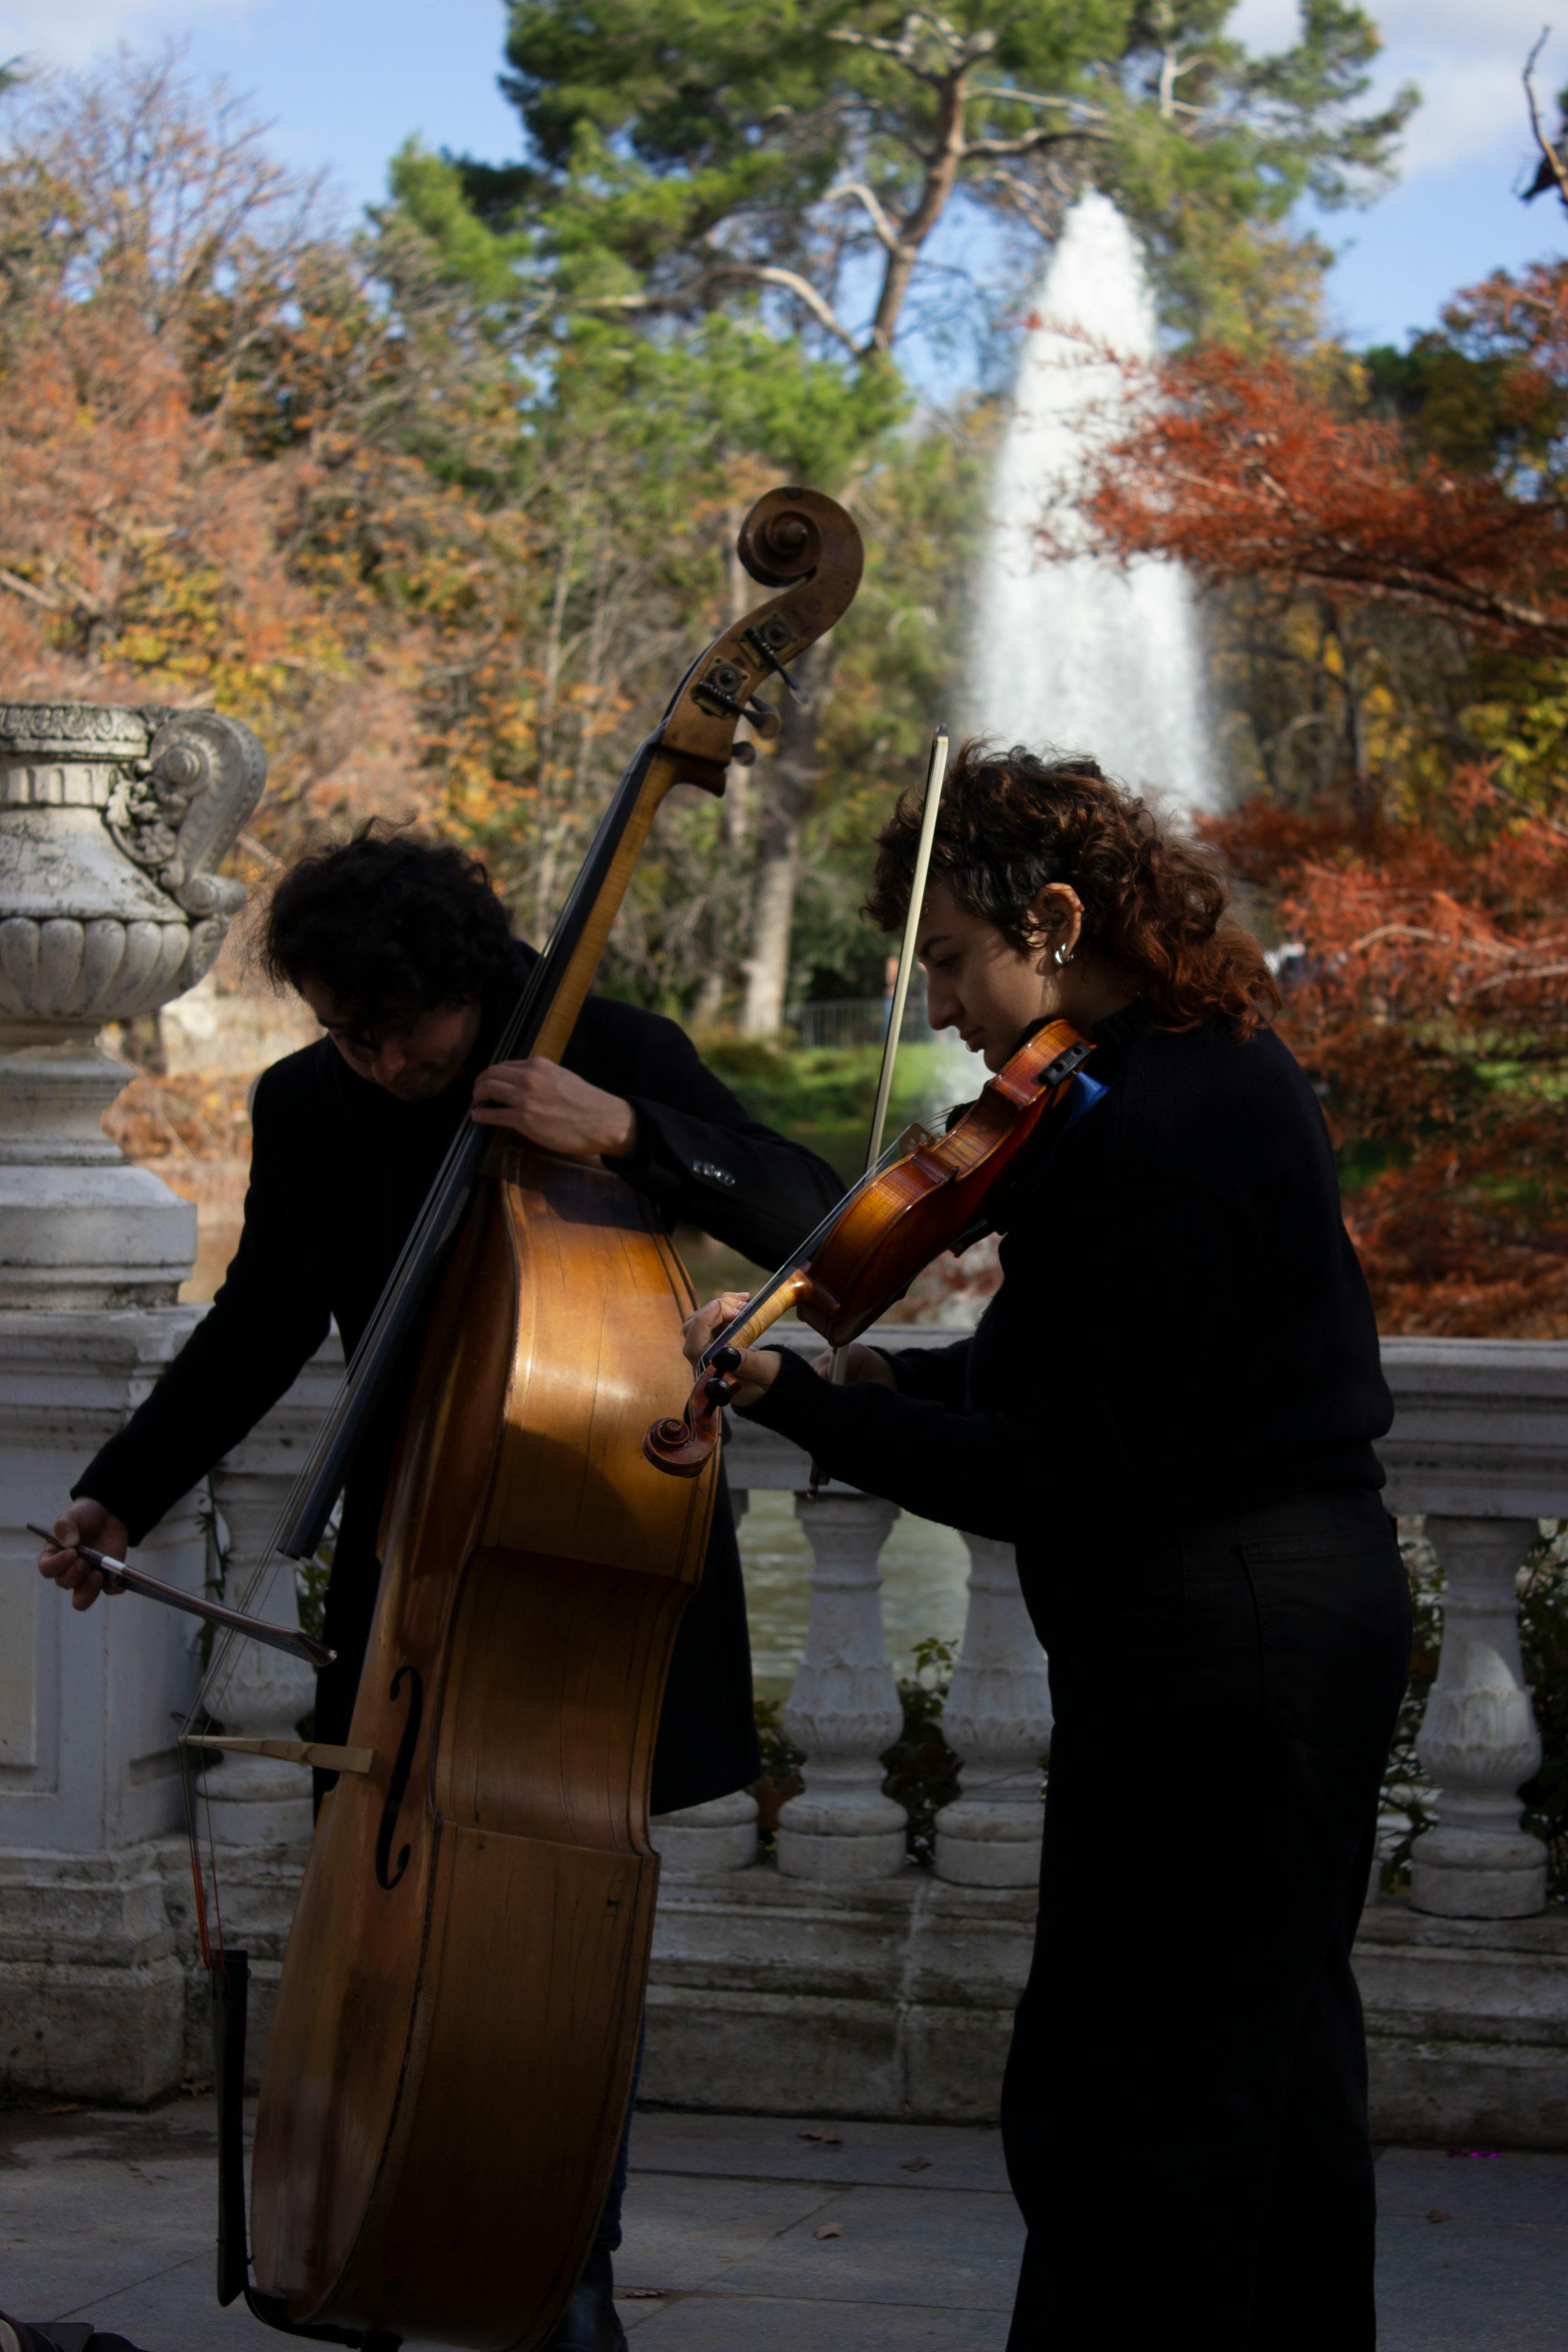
[[113, 822]]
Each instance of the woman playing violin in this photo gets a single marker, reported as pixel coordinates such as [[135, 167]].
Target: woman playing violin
[[1169, 1407]]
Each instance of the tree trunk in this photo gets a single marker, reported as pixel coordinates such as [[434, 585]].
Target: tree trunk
[[784, 785], [773, 912]]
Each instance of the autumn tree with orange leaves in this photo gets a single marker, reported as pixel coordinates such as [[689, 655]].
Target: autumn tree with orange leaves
[[251, 456], [1405, 521]]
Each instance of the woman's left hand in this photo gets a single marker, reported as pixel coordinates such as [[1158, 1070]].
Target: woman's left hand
[[554, 1108], [759, 1367]]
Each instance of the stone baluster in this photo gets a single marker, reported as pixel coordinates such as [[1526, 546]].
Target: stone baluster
[[253, 1800], [1479, 1742], [722, 1833], [997, 1721], [843, 1709]]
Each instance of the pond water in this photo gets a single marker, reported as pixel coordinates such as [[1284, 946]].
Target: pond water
[[924, 1567], [924, 1570]]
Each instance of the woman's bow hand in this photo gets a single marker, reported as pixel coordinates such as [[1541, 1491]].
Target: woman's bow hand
[[860, 1363], [759, 1367]]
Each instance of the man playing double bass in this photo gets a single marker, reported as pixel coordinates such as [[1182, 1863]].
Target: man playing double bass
[[404, 954]]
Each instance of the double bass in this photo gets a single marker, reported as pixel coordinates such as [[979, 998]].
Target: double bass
[[451, 2052]]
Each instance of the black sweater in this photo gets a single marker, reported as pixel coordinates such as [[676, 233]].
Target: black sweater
[[1183, 1329], [339, 1170]]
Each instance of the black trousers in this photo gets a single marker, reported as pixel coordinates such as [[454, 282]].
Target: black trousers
[[1185, 2110]]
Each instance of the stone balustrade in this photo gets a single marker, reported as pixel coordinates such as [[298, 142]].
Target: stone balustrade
[[842, 1979]]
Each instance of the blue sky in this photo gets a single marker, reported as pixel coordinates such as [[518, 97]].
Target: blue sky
[[344, 82]]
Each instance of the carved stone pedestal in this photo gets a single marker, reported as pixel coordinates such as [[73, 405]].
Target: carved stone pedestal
[[111, 822]]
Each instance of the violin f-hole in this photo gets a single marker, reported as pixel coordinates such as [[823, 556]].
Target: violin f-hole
[[403, 1764]]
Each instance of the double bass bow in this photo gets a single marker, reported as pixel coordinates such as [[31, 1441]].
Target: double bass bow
[[451, 2050]]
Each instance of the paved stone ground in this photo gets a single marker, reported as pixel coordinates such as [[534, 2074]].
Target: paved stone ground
[[109, 2216]]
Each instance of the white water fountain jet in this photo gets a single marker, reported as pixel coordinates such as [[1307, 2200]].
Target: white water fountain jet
[[1081, 654]]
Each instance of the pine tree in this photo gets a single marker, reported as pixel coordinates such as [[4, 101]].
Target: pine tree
[[802, 171]]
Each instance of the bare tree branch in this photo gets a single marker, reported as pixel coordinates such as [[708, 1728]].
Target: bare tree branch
[[20, 587], [721, 270], [1030, 143], [1039, 98], [1549, 158], [886, 233], [959, 54], [771, 274]]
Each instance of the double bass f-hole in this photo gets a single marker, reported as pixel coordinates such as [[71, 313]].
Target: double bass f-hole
[[402, 1767]]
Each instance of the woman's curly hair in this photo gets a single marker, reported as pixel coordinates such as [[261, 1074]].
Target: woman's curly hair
[[389, 924], [1154, 901]]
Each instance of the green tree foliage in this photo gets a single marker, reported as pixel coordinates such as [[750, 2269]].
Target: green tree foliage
[[745, 217], [686, 154]]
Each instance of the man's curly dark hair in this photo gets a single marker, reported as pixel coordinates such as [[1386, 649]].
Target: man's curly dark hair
[[390, 924]]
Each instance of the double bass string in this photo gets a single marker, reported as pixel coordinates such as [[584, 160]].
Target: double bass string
[[404, 1291], [316, 1489], [416, 1263], [301, 1525]]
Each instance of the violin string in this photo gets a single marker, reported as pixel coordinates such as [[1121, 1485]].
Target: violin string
[[897, 1150]]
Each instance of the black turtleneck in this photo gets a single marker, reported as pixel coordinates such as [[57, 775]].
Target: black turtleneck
[[1183, 1329]]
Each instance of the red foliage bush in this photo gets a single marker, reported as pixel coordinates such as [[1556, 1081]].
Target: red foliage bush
[[1427, 1006]]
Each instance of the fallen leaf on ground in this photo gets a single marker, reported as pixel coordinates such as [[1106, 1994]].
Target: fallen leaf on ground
[[914, 2164], [830, 2230], [1437, 2214], [828, 2139]]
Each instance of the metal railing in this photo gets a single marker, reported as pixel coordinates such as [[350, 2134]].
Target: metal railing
[[848, 1021]]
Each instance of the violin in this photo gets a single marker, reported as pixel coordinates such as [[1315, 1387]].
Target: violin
[[927, 1195], [451, 2050]]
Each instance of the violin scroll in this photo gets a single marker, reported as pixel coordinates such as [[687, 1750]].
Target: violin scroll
[[680, 1443]]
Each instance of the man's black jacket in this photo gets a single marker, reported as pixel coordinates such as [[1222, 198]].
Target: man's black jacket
[[339, 1170]]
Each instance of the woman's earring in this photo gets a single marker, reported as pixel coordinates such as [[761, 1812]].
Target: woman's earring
[[1064, 958]]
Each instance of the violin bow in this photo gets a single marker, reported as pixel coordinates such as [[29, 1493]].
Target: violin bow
[[936, 771]]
